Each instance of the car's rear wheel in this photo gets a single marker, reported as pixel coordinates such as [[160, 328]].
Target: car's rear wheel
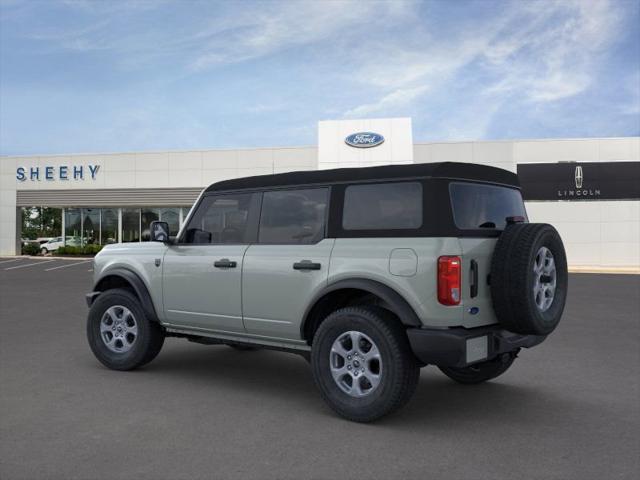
[[362, 363], [480, 372], [119, 332]]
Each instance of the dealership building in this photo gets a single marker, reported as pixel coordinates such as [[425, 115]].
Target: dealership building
[[588, 188]]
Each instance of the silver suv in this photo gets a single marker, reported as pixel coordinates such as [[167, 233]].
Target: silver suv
[[370, 273]]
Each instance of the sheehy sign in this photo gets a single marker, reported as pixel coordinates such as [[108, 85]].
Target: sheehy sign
[[60, 172], [580, 181]]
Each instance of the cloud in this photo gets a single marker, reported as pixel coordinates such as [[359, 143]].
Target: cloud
[[143, 74], [285, 25], [540, 52], [552, 57], [396, 99]]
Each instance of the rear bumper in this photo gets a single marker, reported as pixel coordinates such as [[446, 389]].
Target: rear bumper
[[459, 347]]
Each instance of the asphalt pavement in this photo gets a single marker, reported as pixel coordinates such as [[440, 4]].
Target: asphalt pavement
[[568, 409]]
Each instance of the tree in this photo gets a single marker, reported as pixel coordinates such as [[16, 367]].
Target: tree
[[41, 222]]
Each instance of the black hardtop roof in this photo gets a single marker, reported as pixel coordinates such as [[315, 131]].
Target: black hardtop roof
[[453, 170]]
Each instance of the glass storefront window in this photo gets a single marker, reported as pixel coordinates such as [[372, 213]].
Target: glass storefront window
[[41, 222], [148, 215], [172, 217], [86, 226], [109, 226], [72, 226], [130, 224], [90, 226]]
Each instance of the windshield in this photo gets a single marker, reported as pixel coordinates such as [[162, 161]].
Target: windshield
[[478, 206]]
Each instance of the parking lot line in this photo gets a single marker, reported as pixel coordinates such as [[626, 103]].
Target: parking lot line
[[9, 261], [30, 264], [65, 266]]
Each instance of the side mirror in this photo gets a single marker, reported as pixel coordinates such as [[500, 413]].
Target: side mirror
[[159, 232]]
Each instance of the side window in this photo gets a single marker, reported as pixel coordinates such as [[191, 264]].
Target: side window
[[222, 219], [383, 206], [293, 216]]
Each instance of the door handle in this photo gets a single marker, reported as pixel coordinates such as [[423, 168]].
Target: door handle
[[306, 265], [474, 279], [225, 263]]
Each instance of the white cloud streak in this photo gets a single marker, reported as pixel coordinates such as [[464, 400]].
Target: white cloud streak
[[539, 52], [286, 25]]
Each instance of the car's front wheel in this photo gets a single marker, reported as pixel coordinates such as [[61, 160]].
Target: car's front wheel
[[120, 334], [363, 364], [44, 251]]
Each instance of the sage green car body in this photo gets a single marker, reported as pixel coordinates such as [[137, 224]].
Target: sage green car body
[[264, 301]]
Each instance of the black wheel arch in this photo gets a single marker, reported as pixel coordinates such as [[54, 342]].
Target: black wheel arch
[[391, 300], [125, 278]]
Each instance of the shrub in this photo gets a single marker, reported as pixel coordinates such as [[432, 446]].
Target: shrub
[[31, 249], [85, 250], [91, 249]]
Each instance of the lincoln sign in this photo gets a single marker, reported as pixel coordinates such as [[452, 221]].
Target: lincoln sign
[[580, 181]]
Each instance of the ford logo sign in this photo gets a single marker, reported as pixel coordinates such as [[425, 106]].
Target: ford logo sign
[[364, 139]]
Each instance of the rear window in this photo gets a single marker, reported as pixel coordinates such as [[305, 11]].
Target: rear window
[[383, 206], [476, 206]]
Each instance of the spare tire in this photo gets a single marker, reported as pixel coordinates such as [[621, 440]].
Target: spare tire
[[529, 278]]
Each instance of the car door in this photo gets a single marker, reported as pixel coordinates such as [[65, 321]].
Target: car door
[[289, 264], [202, 272]]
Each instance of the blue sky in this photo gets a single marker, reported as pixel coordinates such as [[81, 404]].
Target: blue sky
[[103, 76]]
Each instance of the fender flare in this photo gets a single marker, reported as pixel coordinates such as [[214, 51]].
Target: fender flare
[[397, 302], [139, 287]]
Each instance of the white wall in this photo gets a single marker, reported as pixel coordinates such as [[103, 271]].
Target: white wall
[[595, 233], [198, 168]]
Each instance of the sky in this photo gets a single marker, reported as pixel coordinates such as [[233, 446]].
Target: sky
[[86, 76]]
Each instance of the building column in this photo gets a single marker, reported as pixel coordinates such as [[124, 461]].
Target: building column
[[18, 235], [64, 227], [119, 236], [10, 214]]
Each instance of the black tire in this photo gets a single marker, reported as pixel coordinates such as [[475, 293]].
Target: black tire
[[480, 372], [44, 251], [513, 278], [399, 372], [148, 341]]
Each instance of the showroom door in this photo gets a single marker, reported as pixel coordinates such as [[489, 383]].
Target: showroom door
[[289, 264], [202, 272]]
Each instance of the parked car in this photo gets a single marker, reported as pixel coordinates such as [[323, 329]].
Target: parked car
[[370, 273], [52, 245], [55, 243]]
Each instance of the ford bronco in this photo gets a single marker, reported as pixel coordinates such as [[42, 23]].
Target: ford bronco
[[370, 273]]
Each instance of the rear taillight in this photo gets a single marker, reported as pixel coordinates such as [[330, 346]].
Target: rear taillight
[[449, 280]]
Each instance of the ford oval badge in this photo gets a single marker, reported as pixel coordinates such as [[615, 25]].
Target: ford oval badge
[[364, 139]]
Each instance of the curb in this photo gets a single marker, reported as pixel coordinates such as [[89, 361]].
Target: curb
[[608, 270]]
